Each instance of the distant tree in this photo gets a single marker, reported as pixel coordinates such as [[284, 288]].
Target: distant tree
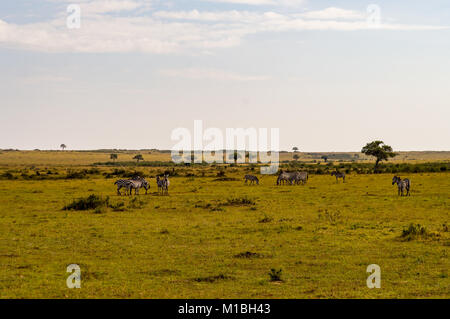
[[295, 149], [235, 156], [63, 146], [325, 158], [113, 157], [138, 158], [296, 157], [379, 150]]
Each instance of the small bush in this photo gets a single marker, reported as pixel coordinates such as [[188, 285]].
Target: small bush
[[212, 279], [243, 201], [220, 174], [91, 202], [247, 254], [225, 179], [136, 203], [413, 232], [119, 207], [75, 175], [275, 275], [266, 220]]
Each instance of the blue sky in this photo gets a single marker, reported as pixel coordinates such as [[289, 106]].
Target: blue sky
[[136, 70]]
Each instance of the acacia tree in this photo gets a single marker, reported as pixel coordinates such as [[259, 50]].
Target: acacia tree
[[235, 156], [296, 157], [325, 158], [138, 158], [295, 149], [113, 157], [379, 150], [63, 146]]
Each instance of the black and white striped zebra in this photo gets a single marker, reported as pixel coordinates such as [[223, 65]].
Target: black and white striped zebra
[[404, 185], [122, 183], [339, 175], [292, 177], [252, 179], [163, 184], [137, 184], [129, 184], [300, 177], [286, 177]]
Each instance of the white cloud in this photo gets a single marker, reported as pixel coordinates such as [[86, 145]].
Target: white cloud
[[334, 14], [173, 31], [104, 6], [289, 3], [210, 74], [107, 6]]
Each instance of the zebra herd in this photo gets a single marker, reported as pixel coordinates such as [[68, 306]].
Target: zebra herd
[[297, 178], [404, 185], [138, 182]]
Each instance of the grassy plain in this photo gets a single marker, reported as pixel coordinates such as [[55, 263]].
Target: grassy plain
[[204, 240], [77, 158]]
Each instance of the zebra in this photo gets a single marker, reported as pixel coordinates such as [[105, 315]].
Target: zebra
[[403, 185], [339, 175], [163, 184], [287, 177], [252, 179], [127, 184], [301, 177], [137, 184], [122, 183]]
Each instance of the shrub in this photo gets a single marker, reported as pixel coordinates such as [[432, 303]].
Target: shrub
[[413, 232], [247, 254], [75, 174], [7, 175], [91, 202], [266, 219], [136, 203], [212, 279], [275, 275], [220, 174], [243, 201]]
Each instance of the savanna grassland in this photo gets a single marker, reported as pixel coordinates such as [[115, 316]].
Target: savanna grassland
[[215, 237]]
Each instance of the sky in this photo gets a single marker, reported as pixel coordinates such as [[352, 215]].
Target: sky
[[331, 75]]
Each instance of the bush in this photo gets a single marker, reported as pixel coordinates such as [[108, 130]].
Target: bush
[[275, 275], [243, 201], [413, 232], [91, 202]]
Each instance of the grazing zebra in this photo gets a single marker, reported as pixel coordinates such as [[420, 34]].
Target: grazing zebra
[[163, 184], [339, 175], [286, 177], [292, 177], [129, 184], [252, 179], [403, 185], [137, 184], [122, 183], [300, 177]]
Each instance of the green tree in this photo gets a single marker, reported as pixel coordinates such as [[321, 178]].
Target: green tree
[[113, 157], [325, 158], [379, 150], [295, 149], [63, 146], [296, 157], [138, 158], [235, 156]]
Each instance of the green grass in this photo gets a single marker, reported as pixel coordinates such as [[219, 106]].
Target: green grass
[[221, 239]]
